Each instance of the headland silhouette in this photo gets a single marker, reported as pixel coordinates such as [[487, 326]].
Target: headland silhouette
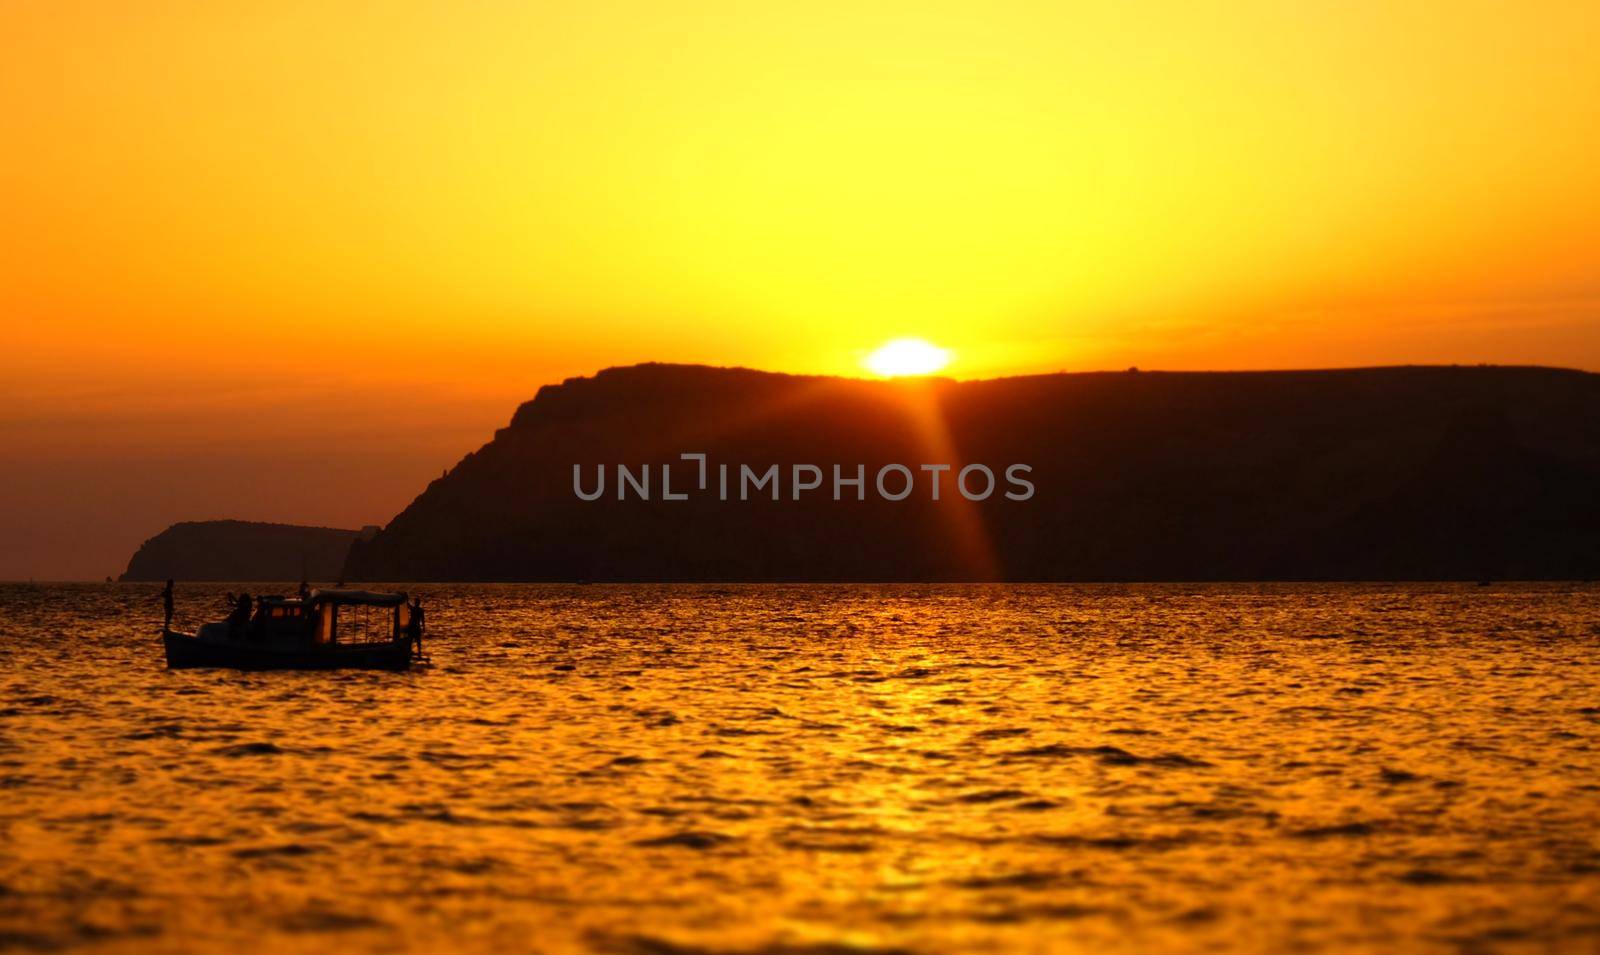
[[1384, 473]]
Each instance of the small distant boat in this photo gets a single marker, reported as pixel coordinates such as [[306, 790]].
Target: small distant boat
[[324, 630]]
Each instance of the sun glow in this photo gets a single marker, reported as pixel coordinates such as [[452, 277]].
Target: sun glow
[[907, 356]]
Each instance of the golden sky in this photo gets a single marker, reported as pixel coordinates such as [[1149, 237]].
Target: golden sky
[[226, 222]]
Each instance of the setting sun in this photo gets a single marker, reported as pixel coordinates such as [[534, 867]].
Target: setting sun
[[907, 356]]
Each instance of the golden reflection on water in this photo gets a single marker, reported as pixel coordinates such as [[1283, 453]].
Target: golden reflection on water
[[814, 769]]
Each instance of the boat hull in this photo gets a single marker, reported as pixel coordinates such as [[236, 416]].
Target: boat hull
[[185, 652]]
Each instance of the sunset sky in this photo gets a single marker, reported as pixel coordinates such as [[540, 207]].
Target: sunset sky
[[231, 227]]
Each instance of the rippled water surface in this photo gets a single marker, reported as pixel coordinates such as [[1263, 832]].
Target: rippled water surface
[[819, 769]]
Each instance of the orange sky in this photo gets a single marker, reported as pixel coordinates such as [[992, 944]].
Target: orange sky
[[228, 222]]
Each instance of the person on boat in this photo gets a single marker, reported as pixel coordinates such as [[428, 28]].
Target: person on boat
[[166, 604], [415, 626], [240, 618], [305, 591]]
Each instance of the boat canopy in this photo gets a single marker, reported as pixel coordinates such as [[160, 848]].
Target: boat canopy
[[371, 598]]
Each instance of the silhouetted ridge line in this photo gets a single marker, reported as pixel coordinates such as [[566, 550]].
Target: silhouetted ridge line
[[242, 550], [1381, 473]]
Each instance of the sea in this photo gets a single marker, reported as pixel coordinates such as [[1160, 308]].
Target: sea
[[818, 770]]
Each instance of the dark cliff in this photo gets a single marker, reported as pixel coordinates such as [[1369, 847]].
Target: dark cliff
[[241, 550], [1385, 473]]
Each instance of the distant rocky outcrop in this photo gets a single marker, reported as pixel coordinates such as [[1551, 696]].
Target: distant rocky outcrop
[[1385, 473], [242, 550]]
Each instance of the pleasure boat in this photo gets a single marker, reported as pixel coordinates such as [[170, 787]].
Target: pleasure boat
[[322, 630]]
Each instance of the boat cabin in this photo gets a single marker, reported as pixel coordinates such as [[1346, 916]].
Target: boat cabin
[[326, 617], [279, 617], [357, 616]]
